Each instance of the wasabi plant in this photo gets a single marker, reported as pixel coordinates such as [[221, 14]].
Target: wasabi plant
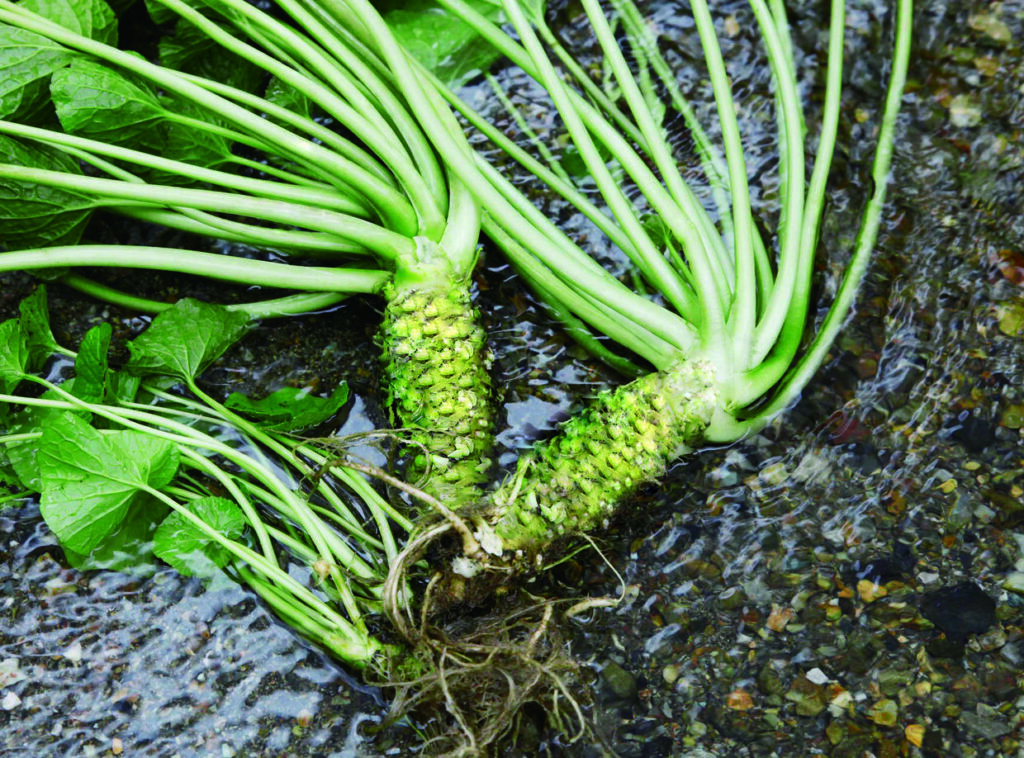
[[227, 138], [720, 315]]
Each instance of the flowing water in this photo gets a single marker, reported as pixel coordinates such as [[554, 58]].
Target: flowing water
[[849, 582]]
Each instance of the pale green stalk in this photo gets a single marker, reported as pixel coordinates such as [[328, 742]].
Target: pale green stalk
[[391, 205], [650, 259], [314, 197], [383, 242], [814, 356], [210, 265], [389, 105], [792, 165], [348, 109]]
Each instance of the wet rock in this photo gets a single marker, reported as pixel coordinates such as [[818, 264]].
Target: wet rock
[[855, 746], [862, 652], [619, 682], [991, 25], [1013, 417], [975, 434], [1015, 582], [887, 568], [960, 610], [809, 697], [657, 747], [891, 681], [1011, 319], [987, 727], [736, 725], [769, 682], [885, 713]]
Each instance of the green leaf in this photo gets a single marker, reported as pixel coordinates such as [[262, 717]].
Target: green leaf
[[659, 231], [189, 145], [8, 475], [35, 325], [34, 215], [91, 365], [290, 409], [162, 14], [22, 458], [128, 548], [27, 60], [122, 387], [90, 18], [90, 479], [22, 454], [283, 94], [444, 43], [97, 102], [188, 548], [185, 339], [193, 51], [14, 355]]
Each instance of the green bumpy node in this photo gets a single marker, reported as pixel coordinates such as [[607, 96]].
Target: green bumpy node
[[576, 481], [438, 389]]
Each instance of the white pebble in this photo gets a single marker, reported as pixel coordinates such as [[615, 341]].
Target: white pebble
[[817, 676], [10, 702], [74, 652]]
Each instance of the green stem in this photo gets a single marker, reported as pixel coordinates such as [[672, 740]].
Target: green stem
[[201, 464], [297, 508], [211, 265], [155, 425], [383, 242], [314, 197], [428, 172], [310, 244], [655, 267], [805, 368], [392, 206], [330, 139], [290, 305], [355, 114], [792, 222]]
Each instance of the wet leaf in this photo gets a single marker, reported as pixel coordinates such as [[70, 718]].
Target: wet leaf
[[91, 365], [34, 215], [185, 339], [97, 102], [90, 479], [27, 60], [128, 548], [290, 409], [444, 43], [35, 325], [187, 548], [90, 18], [14, 355]]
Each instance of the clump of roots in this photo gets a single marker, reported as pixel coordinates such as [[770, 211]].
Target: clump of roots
[[492, 681], [493, 674]]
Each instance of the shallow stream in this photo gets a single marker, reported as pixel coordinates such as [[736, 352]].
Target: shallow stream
[[849, 582]]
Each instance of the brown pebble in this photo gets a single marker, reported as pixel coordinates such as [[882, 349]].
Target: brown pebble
[[914, 734], [738, 700]]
